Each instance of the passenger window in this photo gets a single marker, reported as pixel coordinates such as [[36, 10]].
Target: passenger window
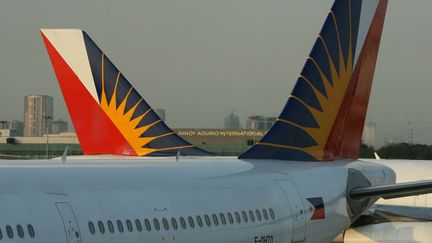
[[271, 214], [147, 224], [258, 214], [265, 214], [129, 225], [230, 218], [215, 219], [191, 222], [252, 216], [91, 228], [138, 225], [174, 223], [222, 217], [110, 226], [20, 231], [101, 227], [207, 219], [120, 226], [238, 219], [183, 222], [245, 218], [31, 230], [9, 231], [199, 221], [156, 224], [165, 224]]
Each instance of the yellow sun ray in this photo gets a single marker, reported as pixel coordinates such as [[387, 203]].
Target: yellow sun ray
[[126, 124]]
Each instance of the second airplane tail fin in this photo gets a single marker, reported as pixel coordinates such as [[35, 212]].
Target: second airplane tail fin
[[324, 116], [109, 115]]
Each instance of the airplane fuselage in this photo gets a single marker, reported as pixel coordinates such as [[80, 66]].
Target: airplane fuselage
[[177, 201]]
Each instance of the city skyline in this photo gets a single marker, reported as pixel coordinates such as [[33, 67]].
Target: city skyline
[[406, 135], [38, 118], [243, 56]]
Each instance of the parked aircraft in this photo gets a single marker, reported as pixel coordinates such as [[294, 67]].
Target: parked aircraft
[[301, 183]]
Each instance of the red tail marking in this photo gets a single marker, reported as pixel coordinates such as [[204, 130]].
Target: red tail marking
[[345, 140], [96, 132]]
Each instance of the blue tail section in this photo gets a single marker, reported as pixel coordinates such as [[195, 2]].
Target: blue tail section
[[324, 116], [154, 137]]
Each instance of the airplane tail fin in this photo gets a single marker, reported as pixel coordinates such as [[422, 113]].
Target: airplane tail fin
[[323, 118], [109, 115]]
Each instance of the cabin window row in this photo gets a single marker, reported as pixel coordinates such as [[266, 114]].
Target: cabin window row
[[18, 231], [182, 222]]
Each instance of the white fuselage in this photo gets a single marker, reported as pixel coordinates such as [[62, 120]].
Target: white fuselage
[[225, 200]]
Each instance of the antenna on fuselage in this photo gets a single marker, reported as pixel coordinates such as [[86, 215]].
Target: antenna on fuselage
[[377, 157], [178, 155], [64, 156]]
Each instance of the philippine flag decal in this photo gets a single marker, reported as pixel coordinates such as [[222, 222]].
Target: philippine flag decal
[[319, 209]]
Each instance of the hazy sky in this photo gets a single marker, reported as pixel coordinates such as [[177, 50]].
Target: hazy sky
[[200, 59]]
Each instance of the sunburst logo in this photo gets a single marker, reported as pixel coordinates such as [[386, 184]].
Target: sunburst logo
[[127, 125], [331, 104]]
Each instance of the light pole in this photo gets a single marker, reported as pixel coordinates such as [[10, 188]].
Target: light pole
[[46, 118], [411, 133]]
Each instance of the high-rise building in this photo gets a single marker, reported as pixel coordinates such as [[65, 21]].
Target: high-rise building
[[260, 122], [232, 121], [161, 113], [369, 134], [38, 115], [59, 126]]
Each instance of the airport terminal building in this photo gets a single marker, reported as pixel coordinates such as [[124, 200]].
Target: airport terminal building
[[223, 142]]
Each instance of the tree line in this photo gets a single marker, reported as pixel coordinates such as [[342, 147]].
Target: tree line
[[399, 151]]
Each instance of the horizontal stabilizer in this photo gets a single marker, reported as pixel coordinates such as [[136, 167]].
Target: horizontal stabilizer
[[393, 191]]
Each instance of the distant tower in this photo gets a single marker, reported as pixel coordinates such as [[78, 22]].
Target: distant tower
[[161, 113], [411, 133], [232, 121], [38, 115], [369, 134]]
